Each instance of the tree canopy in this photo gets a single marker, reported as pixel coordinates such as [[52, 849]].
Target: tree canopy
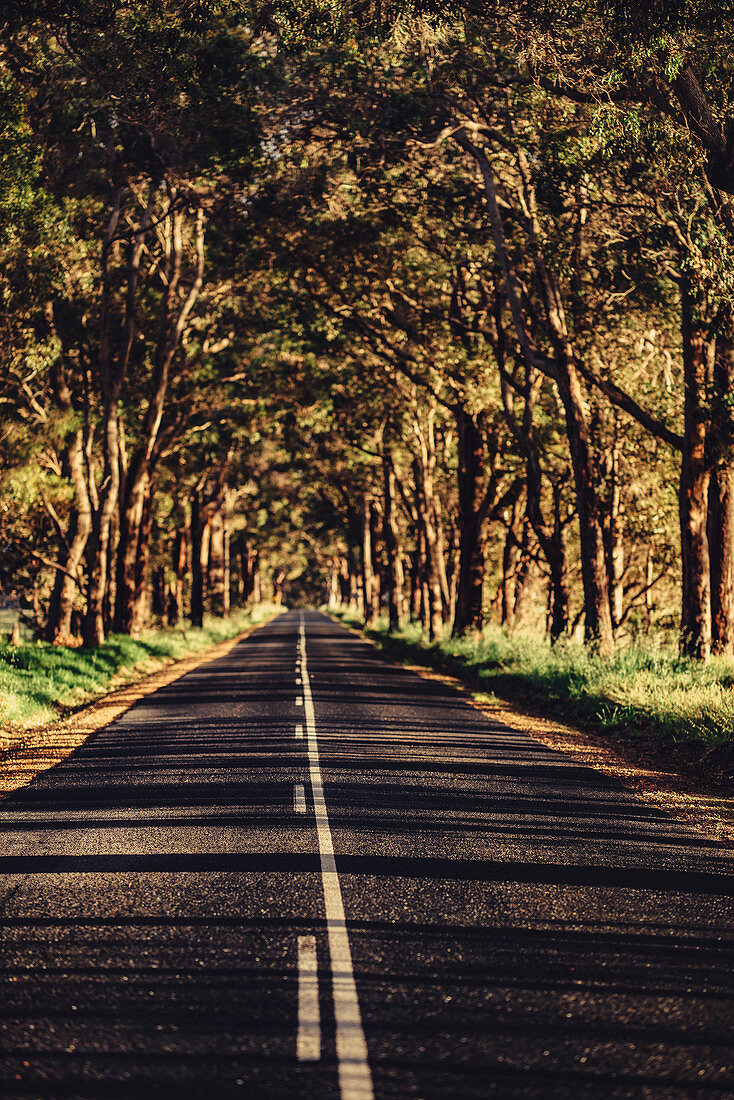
[[423, 308]]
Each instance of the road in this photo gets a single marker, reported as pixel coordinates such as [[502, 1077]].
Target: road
[[302, 871]]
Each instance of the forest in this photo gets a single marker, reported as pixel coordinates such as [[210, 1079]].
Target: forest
[[425, 311]]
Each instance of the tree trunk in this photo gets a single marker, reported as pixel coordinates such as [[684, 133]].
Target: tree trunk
[[555, 555], [142, 595], [249, 562], [721, 495], [649, 577], [377, 562], [133, 499], [549, 537], [598, 616], [333, 599], [523, 577], [510, 561], [66, 584], [180, 557], [159, 602], [430, 571], [344, 591], [695, 631], [369, 598], [614, 539], [98, 546], [218, 575], [469, 613], [395, 575], [198, 523]]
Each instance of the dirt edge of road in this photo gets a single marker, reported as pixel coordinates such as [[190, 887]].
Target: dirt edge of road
[[42, 747], [691, 800]]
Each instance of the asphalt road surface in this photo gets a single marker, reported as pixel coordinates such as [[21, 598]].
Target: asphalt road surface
[[299, 871]]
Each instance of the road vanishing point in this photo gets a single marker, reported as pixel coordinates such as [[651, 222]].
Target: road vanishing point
[[300, 871]]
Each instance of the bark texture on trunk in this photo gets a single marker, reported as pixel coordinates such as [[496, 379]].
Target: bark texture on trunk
[[395, 574], [469, 613], [179, 562], [721, 493], [510, 565], [219, 580], [68, 580], [693, 493], [370, 588], [549, 534], [432, 595], [598, 614], [135, 492], [613, 536], [555, 555], [199, 524]]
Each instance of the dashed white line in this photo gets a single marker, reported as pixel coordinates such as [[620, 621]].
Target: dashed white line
[[308, 1043], [355, 1077], [299, 732], [299, 701], [299, 799]]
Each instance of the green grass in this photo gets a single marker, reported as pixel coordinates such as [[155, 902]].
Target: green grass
[[40, 682], [675, 709]]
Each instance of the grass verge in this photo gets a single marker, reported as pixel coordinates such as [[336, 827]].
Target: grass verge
[[667, 708], [40, 683]]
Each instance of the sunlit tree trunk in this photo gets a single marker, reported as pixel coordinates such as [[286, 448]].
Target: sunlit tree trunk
[[469, 614], [179, 565], [67, 581], [370, 597], [555, 555], [595, 578], [143, 591], [721, 493], [614, 536], [432, 597], [395, 573], [137, 486], [693, 494], [524, 573], [510, 563], [218, 576], [201, 511]]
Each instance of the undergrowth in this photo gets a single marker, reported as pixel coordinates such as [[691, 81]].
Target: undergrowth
[[646, 694], [39, 682]]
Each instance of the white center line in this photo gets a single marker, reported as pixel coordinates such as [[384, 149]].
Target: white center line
[[299, 701], [308, 1045], [299, 798], [355, 1077], [299, 732]]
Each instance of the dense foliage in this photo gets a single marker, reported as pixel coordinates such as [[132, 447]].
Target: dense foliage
[[426, 309]]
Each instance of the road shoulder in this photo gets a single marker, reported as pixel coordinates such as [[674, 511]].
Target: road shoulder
[[693, 800], [43, 747]]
